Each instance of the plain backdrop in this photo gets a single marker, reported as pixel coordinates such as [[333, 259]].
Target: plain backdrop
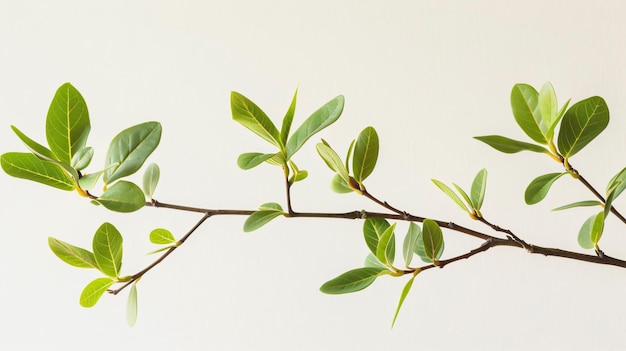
[[428, 75]]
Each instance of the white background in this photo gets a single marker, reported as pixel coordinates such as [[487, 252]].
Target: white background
[[428, 75]]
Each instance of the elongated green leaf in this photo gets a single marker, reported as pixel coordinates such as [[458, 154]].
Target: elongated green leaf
[[591, 231], [333, 161], [548, 108], [618, 179], [479, 185], [405, 292], [451, 194], [130, 149], [509, 146], [373, 229], [616, 186], [579, 204], [67, 124], [320, 119], [72, 255], [383, 253], [410, 242], [352, 281], [584, 121], [161, 236], [433, 239], [36, 148], [151, 179], [131, 306], [524, 102], [365, 154], [372, 261], [28, 166], [539, 187], [107, 249], [464, 195], [82, 158], [259, 218], [250, 160], [339, 185], [94, 290], [271, 206], [252, 117], [123, 196], [288, 119]]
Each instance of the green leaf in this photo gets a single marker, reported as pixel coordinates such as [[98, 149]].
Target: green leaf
[[584, 121], [107, 249], [467, 199], [82, 158], [271, 206], [252, 159], [260, 218], [433, 239], [591, 231], [252, 117], [451, 194], [405, 292], [579, 204], [384, 253], [339, 185], [372, 261], [161, 236], [131, 306], [615, 187], [479, 185], [548, 108], [88, 181], [320, 119], [333, 161], [39, 150], [72, 255], [29, 166], [151, 179], [67, 124], [130, 149], [284, 132], [352, 281], [509, 146], [365, 154], [123, 196], [524, 102], [373, 229], [539, 187], [410, 242], [94, 290]]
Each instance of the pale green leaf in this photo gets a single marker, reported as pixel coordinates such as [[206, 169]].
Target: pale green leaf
[[252, 159], [260, 218], [383, 253], [71, 254], [288, 119], [123, 196], [107, 249], [410, 242], [373, 229], [82, 158], [584, 121], [94, 290], [591, 231], [479, 185], [151, 179], [130, 149], [352, 281], [333, 161], [464, 195], [252, 117], [131, 306], [67, 123], [509, 146], [539, 187], [161, 236], [372, 261], [30, 167], [339, 185], [433, 239], [88, 181], [271, 206], [579, 204], [524, 102], [548, 107], [451, 194], [365, 154], [405, 292]]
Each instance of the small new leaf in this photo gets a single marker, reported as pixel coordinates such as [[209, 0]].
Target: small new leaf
[[107, 249], [352, 281], [82, 158], [250, 160], [94, 290], [151, 180], [365, 154], [288, 119], [433, 239], [479, 185], [410, 242], [539, 187], [161, 236], [384, 253], [591, 231], [131, 306], [451, 194], [405, 292]]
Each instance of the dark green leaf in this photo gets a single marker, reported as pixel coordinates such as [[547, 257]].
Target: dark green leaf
[[107, 249], [365, 154], [524, 102], [161, 236], [539, 187], [94, 290], [479, 186], [67, 124], [579, 204], [82, 158], [28, 166], [123, 196], [151, 179], [451, 194], [410, 242], [71, 254], [130, 149], [405, 292], [373, 229], [509, 146], [284, 132], [584, 121], [131, 306], [252, 159], [384, 253], [433, 239], [252, 117], [352, 281], [320, 119], [333, 161]]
